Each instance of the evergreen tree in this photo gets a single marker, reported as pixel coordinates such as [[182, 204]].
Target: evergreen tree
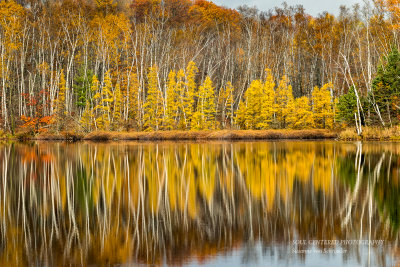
[[347, 107], [386, 87], [82, 84]]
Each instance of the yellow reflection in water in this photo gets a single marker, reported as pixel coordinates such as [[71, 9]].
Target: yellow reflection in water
[[115, 203]]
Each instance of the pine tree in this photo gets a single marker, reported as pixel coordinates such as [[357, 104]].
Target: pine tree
[[347, 107], [386, 87], [323, 106], [267, 103], [153, 107], [82, 84], [283, 101]]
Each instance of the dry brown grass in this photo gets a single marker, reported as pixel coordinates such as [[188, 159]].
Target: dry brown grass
[[63, 136], [371, 134], [349, 134], [213, 135]]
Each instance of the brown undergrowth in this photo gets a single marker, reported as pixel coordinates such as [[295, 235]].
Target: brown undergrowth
[[213, 135], [371, 134]]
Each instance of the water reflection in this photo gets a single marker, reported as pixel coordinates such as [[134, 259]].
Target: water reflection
[[170, 203]]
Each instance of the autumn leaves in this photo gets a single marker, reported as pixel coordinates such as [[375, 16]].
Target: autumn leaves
[[183, 104], [266, 107]]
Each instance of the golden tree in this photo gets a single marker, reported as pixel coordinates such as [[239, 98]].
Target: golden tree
[[172, 102], [301, 116], [87, 119], [267, 103], [283, 101], [253, 104], [205, 114], [190, 92], [134, 104], [96, 99], [61, 106], [228, 105], [118, 101], [103, 121], [323, 106], [153, 107], [181, 101], [240, 115]]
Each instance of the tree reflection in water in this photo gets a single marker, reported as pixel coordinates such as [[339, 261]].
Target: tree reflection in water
[[169, 203]]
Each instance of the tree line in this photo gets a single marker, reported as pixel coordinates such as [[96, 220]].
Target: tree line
[[163, 65]]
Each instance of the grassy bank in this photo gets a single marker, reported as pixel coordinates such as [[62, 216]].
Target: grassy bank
[[194, 135], [349, 134], [371, 134]]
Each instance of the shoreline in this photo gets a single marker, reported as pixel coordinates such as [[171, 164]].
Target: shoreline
[[228, 135], [347, 134]]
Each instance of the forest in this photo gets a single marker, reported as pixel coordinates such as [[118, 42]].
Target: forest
[[158, 65]]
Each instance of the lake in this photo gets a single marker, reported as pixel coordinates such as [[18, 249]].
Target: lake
[[285, 203]]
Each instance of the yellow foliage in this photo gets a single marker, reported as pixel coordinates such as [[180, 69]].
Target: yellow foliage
[[323, 106], [283, 101], [301, 116], [267, 102], [153, 107], [205, 114]]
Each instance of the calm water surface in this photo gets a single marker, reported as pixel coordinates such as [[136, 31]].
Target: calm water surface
[[195, 204]]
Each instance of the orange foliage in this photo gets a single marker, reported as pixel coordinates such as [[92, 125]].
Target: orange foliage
[[39, 124], [393, 7], [209, 14], [184, 11], [143, 8]]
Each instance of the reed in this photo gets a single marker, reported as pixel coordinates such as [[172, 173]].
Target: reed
[[213, 135], [371, 134], [62, 136]]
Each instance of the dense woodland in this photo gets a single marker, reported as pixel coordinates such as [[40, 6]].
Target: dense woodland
[[89, 65]]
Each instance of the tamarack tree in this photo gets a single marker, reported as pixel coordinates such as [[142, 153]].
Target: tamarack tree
[[118, 59]]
